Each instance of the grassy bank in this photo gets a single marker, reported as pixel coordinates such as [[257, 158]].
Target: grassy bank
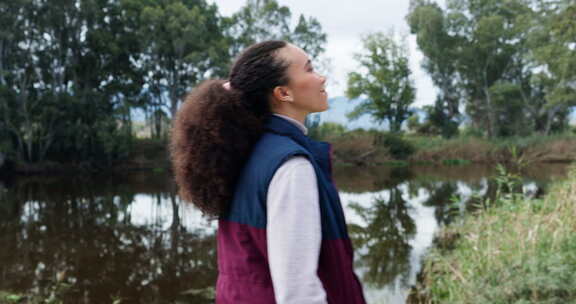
[[145, 154], [536, 148], [362, 147], [515, 251]]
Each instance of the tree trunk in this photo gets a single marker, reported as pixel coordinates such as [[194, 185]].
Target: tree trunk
[[2, 79], [549, 119], [489, 112], [28, 135], [395, 125], [174, 100]]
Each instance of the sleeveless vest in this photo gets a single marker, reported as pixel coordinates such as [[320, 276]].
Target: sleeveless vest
[[243, 272]]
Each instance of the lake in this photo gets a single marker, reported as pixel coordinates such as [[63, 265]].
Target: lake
[[129, 239]]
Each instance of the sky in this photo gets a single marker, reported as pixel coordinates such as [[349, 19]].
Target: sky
[[345, 22]]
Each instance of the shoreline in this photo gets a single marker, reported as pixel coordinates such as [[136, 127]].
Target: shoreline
[[363, 150], [54, 168]]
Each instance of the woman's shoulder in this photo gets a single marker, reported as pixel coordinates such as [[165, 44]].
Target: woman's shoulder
[[273, 150]]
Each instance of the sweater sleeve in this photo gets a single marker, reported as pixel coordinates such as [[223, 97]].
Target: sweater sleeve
[[294, 233]]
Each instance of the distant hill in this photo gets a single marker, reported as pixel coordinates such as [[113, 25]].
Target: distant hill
[[340, 106]]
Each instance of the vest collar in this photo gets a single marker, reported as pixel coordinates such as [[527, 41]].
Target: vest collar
[[297, 123], [281, 126], [319, 149]]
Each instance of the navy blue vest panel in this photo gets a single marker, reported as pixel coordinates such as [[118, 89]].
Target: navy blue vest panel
[[249, 204], [282, 141]]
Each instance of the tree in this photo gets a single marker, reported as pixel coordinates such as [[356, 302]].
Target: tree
[[481, 53], [180, 41], [309, 36], [257, 21], [384, 81], [261, 20], [554, 50], [68, 78], [428, 22]]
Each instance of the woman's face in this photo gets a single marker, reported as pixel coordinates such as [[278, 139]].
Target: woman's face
[[306, 88]]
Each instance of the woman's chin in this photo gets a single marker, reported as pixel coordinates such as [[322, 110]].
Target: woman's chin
[[323, 109]]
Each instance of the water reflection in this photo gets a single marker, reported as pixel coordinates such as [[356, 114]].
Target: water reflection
[[385, 237], [96, 240]]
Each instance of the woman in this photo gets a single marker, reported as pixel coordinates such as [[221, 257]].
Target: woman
[[240, 153]]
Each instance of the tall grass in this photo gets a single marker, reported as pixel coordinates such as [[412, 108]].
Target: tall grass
[[524, 142], [515, 251]]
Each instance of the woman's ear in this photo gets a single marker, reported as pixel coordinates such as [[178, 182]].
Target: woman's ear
[[282, 94]]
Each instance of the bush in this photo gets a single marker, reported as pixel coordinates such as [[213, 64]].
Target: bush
[[326, 131], [396, 146], [469, 131], [413, 123]]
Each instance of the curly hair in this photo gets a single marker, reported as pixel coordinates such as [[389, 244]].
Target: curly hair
[[215, 129]]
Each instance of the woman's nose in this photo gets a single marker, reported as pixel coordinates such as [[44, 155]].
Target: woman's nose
[[323, 79]]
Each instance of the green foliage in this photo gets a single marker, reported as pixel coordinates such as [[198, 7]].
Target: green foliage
[[511, 62], [413, 123], [437, 123], [508, 184], [455, 162], [261, 20], [7, 297], [507, 99], [309, 36], [54, 295], [181, 42], [395, 144], [524, 142], [69, 73], [427, 20], [470, 131], [553, 47], [326, 131], [384, 80], [425, 142]]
